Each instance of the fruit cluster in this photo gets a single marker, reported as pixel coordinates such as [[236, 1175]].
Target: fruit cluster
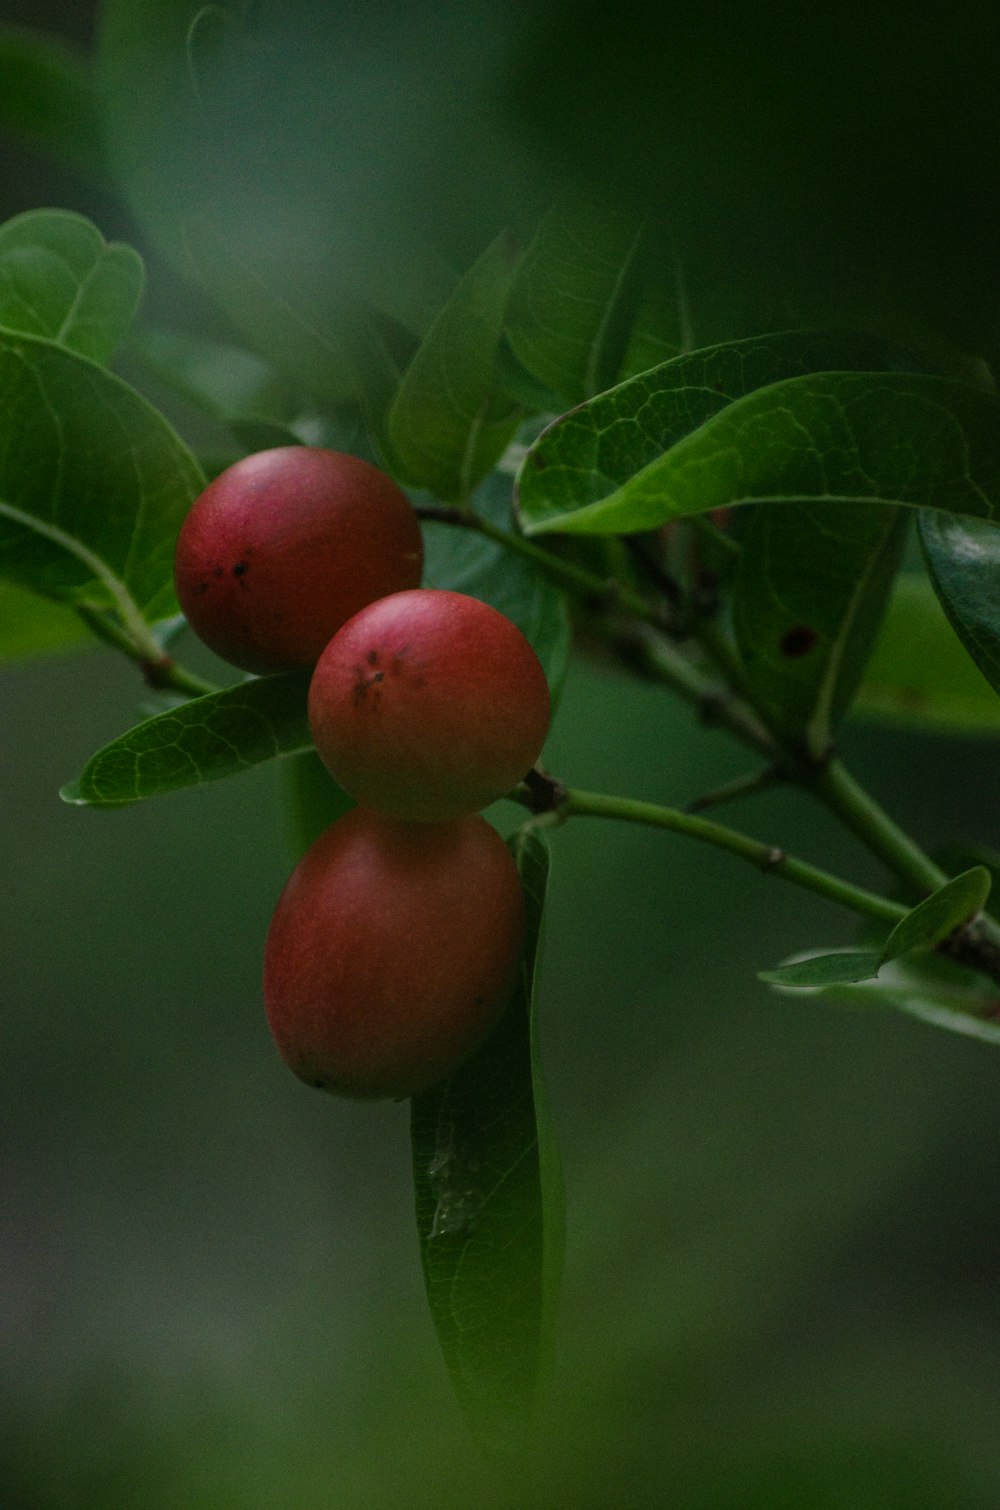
[[392, 946]]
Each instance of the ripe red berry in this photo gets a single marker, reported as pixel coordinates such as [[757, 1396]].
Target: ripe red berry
[[284, 546], [391, 952], [428, 705]]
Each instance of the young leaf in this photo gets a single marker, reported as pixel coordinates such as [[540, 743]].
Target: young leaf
[[94, 484], [465, 561], [924, 926], [448, 423], [48, 97], [489, 1210], [842, 967], [810, 589], [572, 304], [963, 558], [956, 1001], [854, 436], [940, 914], [60, 278], [205, 739], [919, 673]]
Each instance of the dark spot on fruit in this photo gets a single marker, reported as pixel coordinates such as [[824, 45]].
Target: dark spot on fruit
[[239, 568], [218, 572], [537, 461], [366, 686], [202, 587], [372, 657], [798, 641]]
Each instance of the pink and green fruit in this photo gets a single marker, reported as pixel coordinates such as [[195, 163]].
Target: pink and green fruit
[[391, 952], [284, 546], [429, 705]]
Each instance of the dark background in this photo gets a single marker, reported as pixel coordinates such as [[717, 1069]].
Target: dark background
[[783, 1225]]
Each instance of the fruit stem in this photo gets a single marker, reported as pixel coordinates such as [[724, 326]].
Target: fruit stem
[[159, 669]]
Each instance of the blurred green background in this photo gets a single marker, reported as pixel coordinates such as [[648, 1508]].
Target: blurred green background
[[783, 1225], [784, 1233]]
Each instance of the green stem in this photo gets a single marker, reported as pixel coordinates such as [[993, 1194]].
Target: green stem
[[139, 632], [858, 811], [567, 572], [159, 669], [765, 857], [655, 656], [747, 785], [720, 648]]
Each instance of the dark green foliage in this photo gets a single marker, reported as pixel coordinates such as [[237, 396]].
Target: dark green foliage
[[489, 1213]]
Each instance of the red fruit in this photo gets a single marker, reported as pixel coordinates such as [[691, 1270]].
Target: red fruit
[[284, 546], [391, 952], [428, 705]]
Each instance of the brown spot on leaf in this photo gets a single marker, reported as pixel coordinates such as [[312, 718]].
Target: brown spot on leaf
[[798, 641]]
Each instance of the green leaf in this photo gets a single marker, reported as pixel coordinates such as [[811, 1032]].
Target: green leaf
[[60, 278], [842, 967], [940, 1011], [30, 625], [449, 423], [589, 454], [949, 998], [842, 436], [489, 1209], [659, 334], [47, 96], [313, 800], [205, 739], [811, 585], [467, 562], [924, 926], [919, 674], [223, 380], [340, 432], [94, 484], [572, 304], [963, 558], [940, 914]]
